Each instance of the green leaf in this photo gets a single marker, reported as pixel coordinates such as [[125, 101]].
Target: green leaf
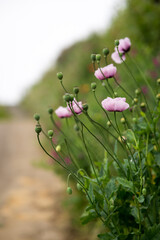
[[134, 212], [141, 199], [106, 236], [110, 188], [88, 216], [153, 233], [90, 192], [126, 184]]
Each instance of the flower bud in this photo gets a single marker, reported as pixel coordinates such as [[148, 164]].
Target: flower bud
[[69, 190], [109, 123], [115, 94], [36, 117], [122, 139], [93, 57], [58, 148], [98, 57], [144, 191], [66, 97], [85, 107], [38, 129], [76, 127], [158, 81], [60, 75], [71, 97], [143, 107], [76, 90], [135, 100], [116, 42], [50, 111], [123, 120], [137, 91], [50, 133], [79, 187], [93, 86], [158, 96], [105, 51]]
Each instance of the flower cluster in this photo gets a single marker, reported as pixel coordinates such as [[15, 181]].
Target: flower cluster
[[114, 160]]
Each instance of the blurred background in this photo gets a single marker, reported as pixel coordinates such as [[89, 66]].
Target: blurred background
[[38, 39]]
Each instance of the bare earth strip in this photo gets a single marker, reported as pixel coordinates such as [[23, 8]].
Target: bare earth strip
[[30, 198]]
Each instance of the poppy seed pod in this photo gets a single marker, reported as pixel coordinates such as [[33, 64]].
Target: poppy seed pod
[[137, 91], [143, 107], [36, 116], [98, 57], [79, 187], [85, 107], [38, 129], [76, 90], [93, 85], [67, 97], [144, 191], [109, 123], [123, 120], [69, 190], [116, 42], [60, 75], [50, 110], [93, 57], [158, 81], [58, 148], [50, 133], [105, 51]]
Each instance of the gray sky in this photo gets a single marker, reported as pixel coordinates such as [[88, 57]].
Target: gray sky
[[34, 32]]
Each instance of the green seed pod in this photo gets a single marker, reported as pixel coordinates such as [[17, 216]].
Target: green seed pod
[[98, 57], [135, 100], [85, 107], [93, 85], [67, 97], [58, 148], [36, 116], [93, 57], [50, 111], [38, 129], [137, 91], [76, 90], [60, 75], [115, 94], [144, 191], [158, 96], [71, 97], [76, 127], [109, 123], [79, 187], [143, 107], [50, 133], [69, 190], [105, 51], [116, 42], [158, 81], [123, 120]]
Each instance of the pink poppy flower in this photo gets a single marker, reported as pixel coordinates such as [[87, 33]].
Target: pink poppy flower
[[76, 106], [124, 45], [62, 112], [106, 72], [116, 58], [115, 104]]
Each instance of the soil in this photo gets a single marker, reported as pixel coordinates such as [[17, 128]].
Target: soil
[[31, 198]]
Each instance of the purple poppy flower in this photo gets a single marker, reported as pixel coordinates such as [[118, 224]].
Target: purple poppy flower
[[106, 72], [63, 112], [76, 106], [115, 104], [116, 58], [124, 45]]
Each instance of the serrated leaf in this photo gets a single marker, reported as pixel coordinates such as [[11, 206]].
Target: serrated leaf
[[153, 233], [110, 188], [126, 184]]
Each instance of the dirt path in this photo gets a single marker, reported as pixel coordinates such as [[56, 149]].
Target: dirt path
[[30, 199]]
